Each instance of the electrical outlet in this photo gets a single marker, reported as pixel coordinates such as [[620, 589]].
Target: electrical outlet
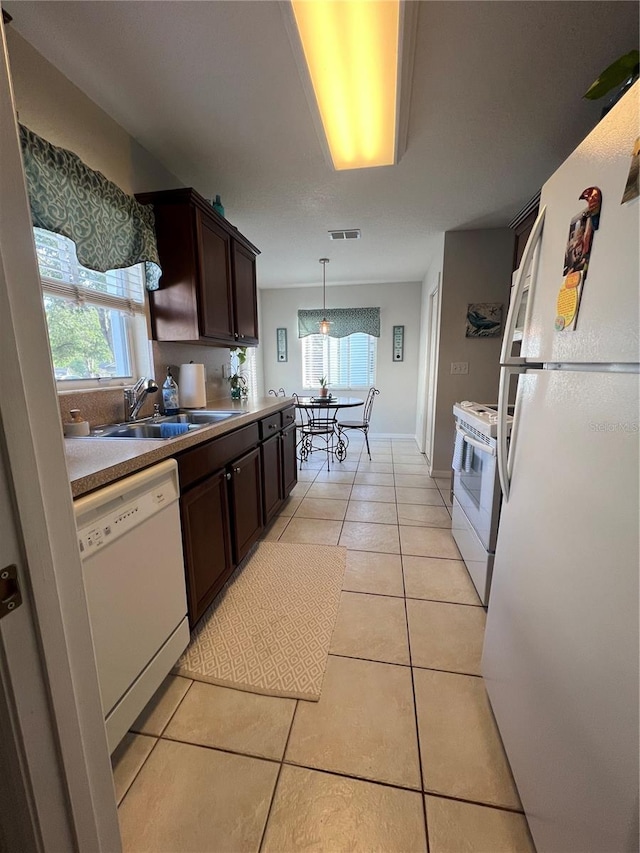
[[459, 367]]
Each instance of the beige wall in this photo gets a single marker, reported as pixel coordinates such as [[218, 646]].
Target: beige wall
[[476, 268], [53, 107], [394, 411]]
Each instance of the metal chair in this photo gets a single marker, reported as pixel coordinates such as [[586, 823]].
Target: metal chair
[[317, 427], [279, 393], [363, 426]]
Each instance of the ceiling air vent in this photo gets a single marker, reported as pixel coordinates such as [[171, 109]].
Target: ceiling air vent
[[348, 234]]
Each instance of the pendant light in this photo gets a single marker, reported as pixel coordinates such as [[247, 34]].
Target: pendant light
[[324, 323]]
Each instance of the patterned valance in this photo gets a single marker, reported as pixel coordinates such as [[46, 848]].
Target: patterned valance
[[344, 321], [111, 229]]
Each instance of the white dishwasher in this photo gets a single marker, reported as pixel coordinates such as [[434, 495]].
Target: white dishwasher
[[131, 548]]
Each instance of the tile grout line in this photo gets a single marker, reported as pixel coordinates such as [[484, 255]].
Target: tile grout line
[[415, 666], [158, 738], [415, 712], [290, 763], [135, 776], [275, 787]]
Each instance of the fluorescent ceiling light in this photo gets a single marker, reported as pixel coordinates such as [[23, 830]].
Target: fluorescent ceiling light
[[351, 50]]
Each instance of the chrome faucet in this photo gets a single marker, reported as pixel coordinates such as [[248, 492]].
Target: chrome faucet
[[135, 396]]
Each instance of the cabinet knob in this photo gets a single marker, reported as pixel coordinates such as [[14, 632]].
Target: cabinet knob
[[272, 426], [236, 335], [236, 470], [227, 476], [242, 336]]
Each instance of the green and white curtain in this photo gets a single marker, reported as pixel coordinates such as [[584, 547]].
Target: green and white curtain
[[344, 321], [111, 229]]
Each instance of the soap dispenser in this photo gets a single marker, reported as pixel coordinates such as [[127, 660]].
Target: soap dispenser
[[77, 426], [170, 395]]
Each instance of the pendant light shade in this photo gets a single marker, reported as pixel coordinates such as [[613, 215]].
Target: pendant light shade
[[324, 323]]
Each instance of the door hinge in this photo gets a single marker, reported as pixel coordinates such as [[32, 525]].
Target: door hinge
[[10, 595]]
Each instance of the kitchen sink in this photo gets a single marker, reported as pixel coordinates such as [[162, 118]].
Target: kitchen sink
[[201, 416], [153, 427]]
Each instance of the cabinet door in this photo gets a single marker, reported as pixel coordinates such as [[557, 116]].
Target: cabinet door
[[289, 460], [246, 501], [215, 303], [272, 484], [245, 296], [207, 544]]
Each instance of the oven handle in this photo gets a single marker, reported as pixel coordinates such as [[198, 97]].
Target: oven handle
[[475, 443]]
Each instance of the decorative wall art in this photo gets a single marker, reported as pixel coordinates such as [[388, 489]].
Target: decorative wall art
[[398, 343], [281, 340], [484, 320]]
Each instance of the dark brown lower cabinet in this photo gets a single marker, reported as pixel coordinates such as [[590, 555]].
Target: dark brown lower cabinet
[[289, 460], [246, 502], [272, 485], [207, 543], [230, 488]]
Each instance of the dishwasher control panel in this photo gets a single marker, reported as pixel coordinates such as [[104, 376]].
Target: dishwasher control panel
[[101, 528]]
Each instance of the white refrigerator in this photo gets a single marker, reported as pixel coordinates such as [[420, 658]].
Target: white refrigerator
[[560, 656]]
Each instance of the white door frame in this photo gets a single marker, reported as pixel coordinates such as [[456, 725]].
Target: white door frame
[[68, 783], [431, 367]]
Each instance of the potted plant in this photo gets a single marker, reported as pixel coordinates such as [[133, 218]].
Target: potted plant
[[324, 386], [236, 379]]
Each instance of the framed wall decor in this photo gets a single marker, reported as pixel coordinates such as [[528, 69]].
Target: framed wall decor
[[484, 320], [281, 342], [398, 343]]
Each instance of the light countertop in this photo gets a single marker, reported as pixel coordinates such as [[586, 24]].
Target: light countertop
[[94, 462]]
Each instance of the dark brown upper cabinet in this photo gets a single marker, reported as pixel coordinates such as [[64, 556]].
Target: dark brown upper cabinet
[[208, 288]]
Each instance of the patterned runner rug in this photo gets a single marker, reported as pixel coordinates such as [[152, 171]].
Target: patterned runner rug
[[269, 629]]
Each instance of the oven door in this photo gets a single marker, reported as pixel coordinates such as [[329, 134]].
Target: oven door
[[478, 490]]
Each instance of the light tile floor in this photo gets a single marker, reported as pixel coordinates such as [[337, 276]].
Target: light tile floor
[[400, 752]]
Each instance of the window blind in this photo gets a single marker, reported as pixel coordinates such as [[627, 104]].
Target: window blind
[[63, 276], [348, 362]]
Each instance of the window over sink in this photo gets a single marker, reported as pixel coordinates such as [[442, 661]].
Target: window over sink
[[96, 321]]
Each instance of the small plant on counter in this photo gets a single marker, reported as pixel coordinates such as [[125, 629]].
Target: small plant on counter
[[324, 386], [237, 380]]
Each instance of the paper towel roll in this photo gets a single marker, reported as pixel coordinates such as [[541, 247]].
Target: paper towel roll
[[191, 387]]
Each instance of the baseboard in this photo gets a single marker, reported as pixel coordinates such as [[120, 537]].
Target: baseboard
[[441, 475]]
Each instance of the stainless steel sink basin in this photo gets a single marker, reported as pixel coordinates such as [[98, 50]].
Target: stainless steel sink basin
[[201, 416], [152, 427]]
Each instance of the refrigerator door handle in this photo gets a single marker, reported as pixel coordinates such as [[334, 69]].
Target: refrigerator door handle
[[518, 290], [504, 448]]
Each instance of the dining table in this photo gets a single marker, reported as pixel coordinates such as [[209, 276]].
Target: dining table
[[322, 414]]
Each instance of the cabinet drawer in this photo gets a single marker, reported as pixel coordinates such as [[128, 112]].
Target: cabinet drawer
[[270, 426], [195, 464], [288, 416]]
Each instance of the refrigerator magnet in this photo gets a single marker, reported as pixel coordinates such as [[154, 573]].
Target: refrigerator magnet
[[576, 259], [632, 187]]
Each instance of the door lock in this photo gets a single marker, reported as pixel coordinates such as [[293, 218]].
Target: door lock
[[10, 595]]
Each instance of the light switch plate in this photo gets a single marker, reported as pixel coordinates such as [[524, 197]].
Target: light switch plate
[[459, 367]]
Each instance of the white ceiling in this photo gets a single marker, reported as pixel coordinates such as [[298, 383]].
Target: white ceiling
[[213, 91]]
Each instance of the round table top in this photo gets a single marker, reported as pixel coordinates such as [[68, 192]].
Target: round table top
[[330, 402]]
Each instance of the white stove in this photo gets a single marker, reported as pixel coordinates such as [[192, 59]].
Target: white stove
[[476, 489], [483, 417]]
